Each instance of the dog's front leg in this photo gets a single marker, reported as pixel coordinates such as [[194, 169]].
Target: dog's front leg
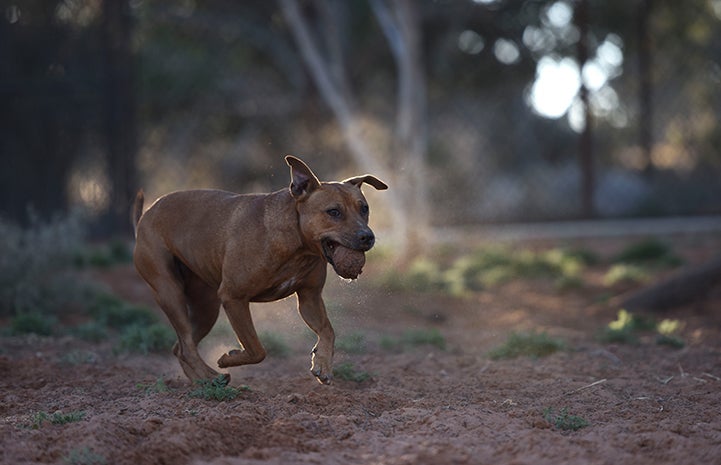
[[238, 312], [312, 309]]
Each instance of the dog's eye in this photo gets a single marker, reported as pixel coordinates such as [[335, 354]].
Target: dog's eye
[[333, 212], [364, 210]]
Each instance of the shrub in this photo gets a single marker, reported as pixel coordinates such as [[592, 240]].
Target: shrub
[[648, 251], [346, 371], [116, 313], [216, 389], [158, 387], [33, 323], [34, 263], [527, 344], [625, 274], [492, 266], [145, 339], [353, 343], [414, 338], [57, 418], [563, 421], [274, 345]]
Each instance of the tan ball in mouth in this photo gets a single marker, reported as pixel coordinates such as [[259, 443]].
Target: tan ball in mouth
[[348, 263]]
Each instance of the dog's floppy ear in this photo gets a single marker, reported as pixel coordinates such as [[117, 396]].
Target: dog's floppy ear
[[368, 179], [302, 179]]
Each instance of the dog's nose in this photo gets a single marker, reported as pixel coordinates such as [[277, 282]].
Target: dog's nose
[[366, 238]]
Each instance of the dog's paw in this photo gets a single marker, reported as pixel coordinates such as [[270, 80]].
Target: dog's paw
[[227, 360], [323, 378]]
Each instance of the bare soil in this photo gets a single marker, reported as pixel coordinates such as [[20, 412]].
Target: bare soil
[[644, 403]]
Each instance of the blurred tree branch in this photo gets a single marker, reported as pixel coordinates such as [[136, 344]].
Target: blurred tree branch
[[409, 205]]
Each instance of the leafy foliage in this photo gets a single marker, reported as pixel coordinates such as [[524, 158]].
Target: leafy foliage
[[348, 372], [563, 420], [216, 389]]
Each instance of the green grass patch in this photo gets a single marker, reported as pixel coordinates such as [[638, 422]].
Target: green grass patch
[[115, 252], [91, 331], [627, 328], [57, 418], [353, 343], [421, 337], [116, 313], [650, 252], [216, 389], [35, 265], [84, 456], [564, 421], [625, 274], [531, 344], [348, 372], [489, 267], [157, 387], [144, 339], [274, 345], [414, 338], [33, 323]]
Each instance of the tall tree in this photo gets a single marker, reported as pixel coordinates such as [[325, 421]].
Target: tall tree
[[120, 112], [581, 20], [405, 169]]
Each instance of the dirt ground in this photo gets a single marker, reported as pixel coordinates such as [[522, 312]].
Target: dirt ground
[[644, 403]]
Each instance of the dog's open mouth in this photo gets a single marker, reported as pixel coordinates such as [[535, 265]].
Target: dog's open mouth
[[348, 263]]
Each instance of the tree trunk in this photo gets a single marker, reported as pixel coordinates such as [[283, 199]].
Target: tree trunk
[[645, 86], [586, 139], [401, 28], [120, 115]]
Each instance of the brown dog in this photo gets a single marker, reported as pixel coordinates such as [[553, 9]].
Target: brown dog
[[198, 249]]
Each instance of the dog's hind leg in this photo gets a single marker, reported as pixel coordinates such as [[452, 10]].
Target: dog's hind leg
[[203, 304], [161, 272]]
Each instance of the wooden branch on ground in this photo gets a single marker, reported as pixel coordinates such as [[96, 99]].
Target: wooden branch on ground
[[686, 286]]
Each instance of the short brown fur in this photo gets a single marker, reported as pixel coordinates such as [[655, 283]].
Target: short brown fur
[[200, 249]]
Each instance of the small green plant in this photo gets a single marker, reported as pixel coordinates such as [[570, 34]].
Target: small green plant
[[274, 345], [527, 345], [114, 312], [145, 339], [91, 331], [216, 389], [57, 418], [666, 334], [625, 327], [489, 267], [353, 343], [563, 420], [84, 456], [33, 323], [35, 264], [158, 387], [419, 337], [414, 338], [115, 252], [346, 371], [625, 274], [648, 251]]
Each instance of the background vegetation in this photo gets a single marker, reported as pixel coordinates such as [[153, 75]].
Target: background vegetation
[[100, 98]]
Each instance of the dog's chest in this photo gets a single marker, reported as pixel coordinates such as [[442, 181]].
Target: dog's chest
[[288, 278]]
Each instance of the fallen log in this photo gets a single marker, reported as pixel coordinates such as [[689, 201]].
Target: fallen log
[[688, 285]]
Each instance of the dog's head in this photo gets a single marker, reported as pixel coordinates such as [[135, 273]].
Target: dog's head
[[333, 216]]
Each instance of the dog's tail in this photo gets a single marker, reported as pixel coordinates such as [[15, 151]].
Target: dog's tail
[[138, 210]]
